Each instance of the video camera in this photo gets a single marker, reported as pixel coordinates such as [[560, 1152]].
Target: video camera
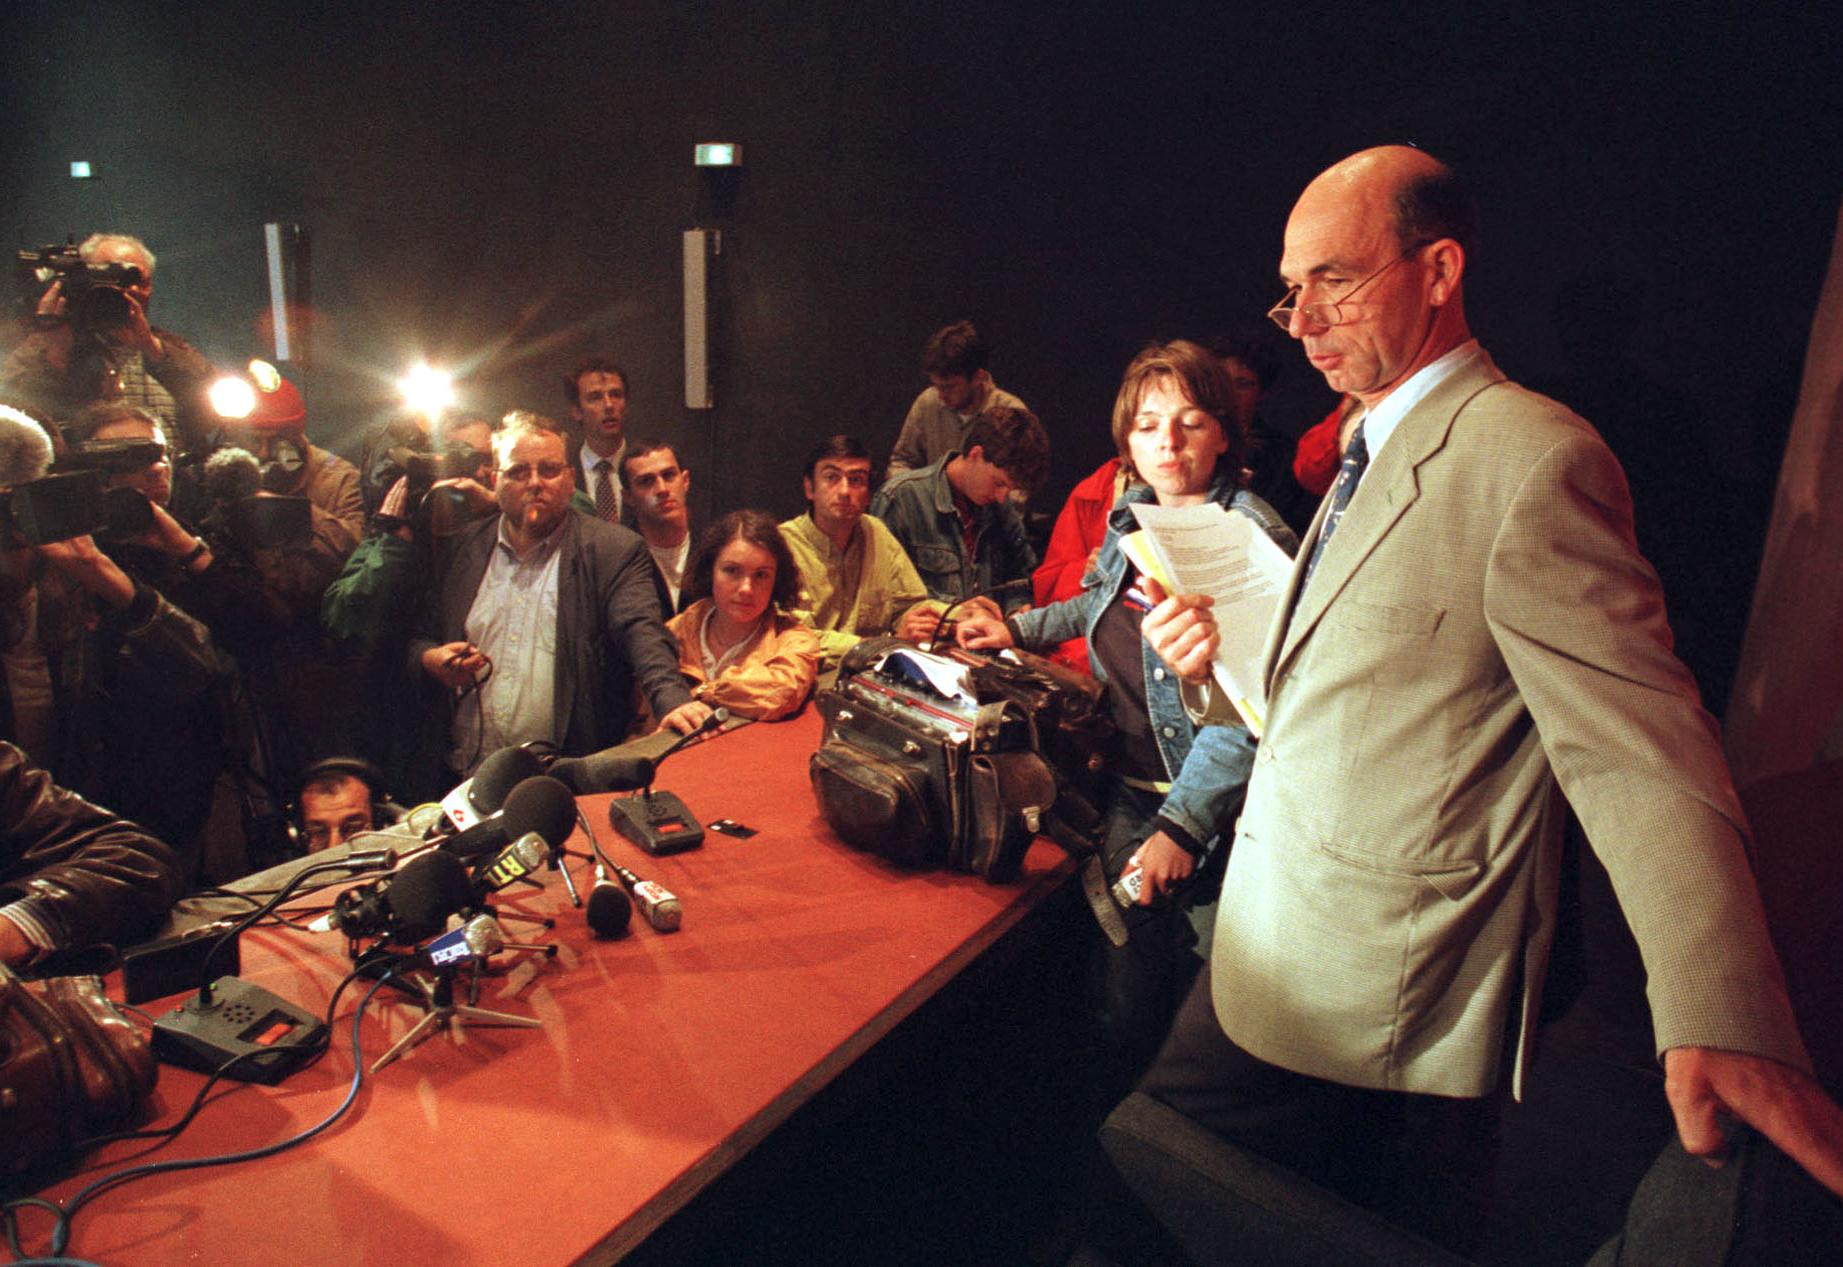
[[423, 470], [96, 295], [244, 500], [74, 504]]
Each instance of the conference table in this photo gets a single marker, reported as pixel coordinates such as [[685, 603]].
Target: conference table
[[661, 1059]]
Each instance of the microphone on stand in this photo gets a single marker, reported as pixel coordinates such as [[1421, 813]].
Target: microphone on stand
[[660, 822], [480, 797]]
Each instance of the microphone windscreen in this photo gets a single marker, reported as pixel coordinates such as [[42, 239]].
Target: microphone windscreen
[[231, 474], [542, 805], [25, 449], [609, 910], [604, 772], [498, 775], [430, 887]]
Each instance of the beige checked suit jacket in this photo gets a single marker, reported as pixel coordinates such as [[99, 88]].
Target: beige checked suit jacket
[[1480, 629]]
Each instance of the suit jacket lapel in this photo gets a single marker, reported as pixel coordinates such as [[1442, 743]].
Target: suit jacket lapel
[[1390, 486]]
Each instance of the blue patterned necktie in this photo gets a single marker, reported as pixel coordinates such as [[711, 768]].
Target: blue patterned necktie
[[1356, 461]]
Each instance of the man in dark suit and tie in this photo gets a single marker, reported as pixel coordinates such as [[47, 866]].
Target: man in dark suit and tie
[[1469, 635], [597, 392]]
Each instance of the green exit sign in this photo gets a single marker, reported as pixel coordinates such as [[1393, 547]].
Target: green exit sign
[[719, 154]]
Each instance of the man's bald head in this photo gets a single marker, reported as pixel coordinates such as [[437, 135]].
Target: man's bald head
[[1377, 244], [1424, 197]]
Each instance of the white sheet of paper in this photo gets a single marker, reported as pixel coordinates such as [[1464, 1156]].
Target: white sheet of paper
[[1207, 550], [947, 676]]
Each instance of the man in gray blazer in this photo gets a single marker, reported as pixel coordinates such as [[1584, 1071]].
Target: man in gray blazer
[[1469, 635], [564, 608]]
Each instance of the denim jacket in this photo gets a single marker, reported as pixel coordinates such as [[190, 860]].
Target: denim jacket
[[1208, 766], [918, 507]]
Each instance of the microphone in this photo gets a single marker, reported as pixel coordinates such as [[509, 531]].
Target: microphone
[[232, 474], [516, 861], [604, 771], [540, 804], [659, 822], [482, 795], [657, 905], [479, 938], [409, 905], [618, 769], [610, 909], [717, 717], [25, 449]]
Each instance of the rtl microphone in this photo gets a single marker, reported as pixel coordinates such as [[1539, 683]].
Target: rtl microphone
[[516, 861], [610, 909], [657, 905]]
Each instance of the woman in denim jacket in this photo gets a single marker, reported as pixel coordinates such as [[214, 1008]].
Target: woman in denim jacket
[[1177, 787]]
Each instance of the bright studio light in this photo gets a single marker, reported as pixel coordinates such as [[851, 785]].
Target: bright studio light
[[427, 391], [233, 397]]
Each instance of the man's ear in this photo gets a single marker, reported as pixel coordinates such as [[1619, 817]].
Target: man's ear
[[806, 483], [1448, 260], [975, 454]]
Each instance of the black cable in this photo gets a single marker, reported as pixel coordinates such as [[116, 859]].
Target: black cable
[[346, 863], [217, 1075], [65, 1213]]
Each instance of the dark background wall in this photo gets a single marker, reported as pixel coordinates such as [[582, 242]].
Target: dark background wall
[[500, 188]]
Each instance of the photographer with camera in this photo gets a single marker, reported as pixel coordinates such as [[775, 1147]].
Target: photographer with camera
[[100, 655], [91, 341], [370, 610]]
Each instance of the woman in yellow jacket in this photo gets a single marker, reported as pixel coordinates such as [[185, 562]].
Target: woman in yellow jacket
[[737, 645]]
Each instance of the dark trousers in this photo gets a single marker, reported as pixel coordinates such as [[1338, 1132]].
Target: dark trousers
[[1423, 1162]]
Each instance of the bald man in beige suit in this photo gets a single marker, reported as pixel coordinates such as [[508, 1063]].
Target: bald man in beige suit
[[1478, 637]]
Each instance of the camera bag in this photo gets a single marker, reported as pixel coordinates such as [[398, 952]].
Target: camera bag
[[71, 1065], [925, 780]]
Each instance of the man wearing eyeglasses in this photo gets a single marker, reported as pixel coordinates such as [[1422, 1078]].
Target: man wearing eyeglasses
[[542, 620], [1469, 634]]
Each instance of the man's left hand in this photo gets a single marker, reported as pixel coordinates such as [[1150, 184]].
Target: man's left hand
[[1784, 1104], [687, 717], [137, 333]]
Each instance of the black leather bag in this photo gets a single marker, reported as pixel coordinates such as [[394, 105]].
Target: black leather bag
[[928, 781], [71, 1066]]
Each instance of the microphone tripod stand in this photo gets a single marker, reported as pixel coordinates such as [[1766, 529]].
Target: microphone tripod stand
[[442, 1012]]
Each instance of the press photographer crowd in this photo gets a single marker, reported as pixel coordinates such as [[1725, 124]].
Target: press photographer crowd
[[1316, 806]]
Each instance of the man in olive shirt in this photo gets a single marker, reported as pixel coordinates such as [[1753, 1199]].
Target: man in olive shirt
[[855, 580]]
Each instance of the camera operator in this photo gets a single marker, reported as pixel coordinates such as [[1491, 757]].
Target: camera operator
[[125, 444], [294, 511], [287, 465], [122, 666], [91, 341], [370, 610]]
